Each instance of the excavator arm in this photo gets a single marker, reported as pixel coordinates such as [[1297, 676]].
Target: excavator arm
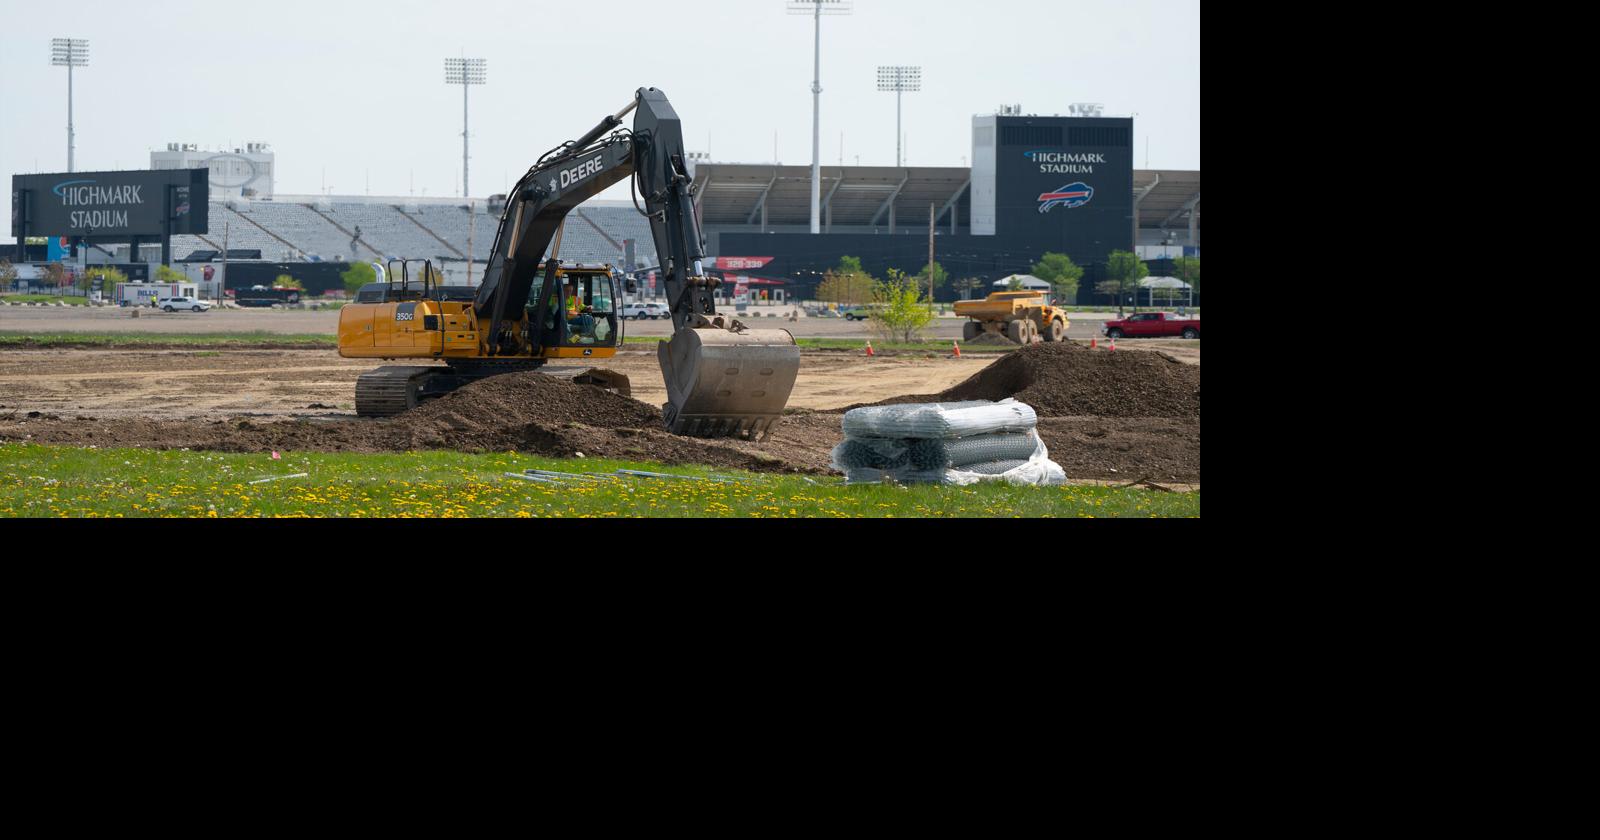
[[722, 378]]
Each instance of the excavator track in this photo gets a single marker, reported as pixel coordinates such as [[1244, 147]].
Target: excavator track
[[389, 391]]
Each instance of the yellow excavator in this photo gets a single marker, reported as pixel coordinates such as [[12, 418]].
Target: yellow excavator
[[723, 379]]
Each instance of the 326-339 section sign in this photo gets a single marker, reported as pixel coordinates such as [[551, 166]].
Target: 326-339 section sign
[[111, 205]]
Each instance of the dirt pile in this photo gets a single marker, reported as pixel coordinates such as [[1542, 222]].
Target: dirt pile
[[514, 408], [990, 339], [1066, 379]]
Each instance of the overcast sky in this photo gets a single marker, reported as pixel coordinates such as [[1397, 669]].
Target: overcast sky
[[354, 88]]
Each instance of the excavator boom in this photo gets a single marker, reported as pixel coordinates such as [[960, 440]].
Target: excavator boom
[[722, 378]]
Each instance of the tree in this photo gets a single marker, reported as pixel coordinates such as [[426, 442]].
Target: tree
[[8, 273], [284, 281], [108, 276], [1124, 270], [849, 284], [1062, 274], [901, 312], [358, 275], [845, 289], [967, 285], [1015, 285], [168, 274], [55, 274], [1187, 269]]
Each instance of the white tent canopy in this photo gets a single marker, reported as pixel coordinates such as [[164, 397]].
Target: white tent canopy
[[1029, 282], [1150, 284]]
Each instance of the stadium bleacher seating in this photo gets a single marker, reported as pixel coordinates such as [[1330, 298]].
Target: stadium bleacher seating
[[314, 233]]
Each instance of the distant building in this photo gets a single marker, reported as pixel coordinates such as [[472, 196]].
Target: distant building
[[240, 173]]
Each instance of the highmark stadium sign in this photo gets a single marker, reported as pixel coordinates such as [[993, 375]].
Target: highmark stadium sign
[[108, 203], [111, 206], [1066, 163]]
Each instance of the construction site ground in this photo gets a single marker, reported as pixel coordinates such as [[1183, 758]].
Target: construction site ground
[[1106, 419]]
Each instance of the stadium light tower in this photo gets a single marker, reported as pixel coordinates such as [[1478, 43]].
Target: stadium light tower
[[69, 53], [901, 80], [465, 72], [816, 9]]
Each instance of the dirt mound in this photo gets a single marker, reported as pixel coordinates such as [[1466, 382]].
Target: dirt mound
[[990, 339], [511, 410], [1065, 379]]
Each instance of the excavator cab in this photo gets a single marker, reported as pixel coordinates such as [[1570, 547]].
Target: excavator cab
[[580, 312]]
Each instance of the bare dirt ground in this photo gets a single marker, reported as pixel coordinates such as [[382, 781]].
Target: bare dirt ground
[[303, 399], [179, 384]]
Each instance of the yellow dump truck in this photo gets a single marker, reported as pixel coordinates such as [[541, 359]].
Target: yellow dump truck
[[1023, 317]]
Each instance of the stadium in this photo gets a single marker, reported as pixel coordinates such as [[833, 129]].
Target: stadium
[[986, 221]]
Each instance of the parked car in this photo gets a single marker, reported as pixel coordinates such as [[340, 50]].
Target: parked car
[[859, 313], [642, 311], [177, 303], [1152, 325]]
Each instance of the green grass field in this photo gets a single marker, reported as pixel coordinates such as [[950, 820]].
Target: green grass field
[[67, 299], [45, 481]]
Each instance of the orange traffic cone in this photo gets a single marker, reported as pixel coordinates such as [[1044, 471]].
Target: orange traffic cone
[[958, 349], [1094, 344], [1113, 345], [870, 354]]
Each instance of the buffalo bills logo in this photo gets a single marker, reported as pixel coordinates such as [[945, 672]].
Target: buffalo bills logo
[[1069, 196]]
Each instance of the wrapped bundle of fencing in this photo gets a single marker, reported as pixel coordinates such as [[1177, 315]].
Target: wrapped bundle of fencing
[[950, 443], [940, 421]]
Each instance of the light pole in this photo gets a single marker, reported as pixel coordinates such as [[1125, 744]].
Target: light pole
[[901, 80], [69, 53], [816, 9], [465, 72]]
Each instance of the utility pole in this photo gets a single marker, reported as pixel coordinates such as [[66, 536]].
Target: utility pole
[[222, 287], [930, 254], [816, 9], [70, 53], [472, 228], [465, 72]]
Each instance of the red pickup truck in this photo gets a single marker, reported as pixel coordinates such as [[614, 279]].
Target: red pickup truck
[[1152, 325]]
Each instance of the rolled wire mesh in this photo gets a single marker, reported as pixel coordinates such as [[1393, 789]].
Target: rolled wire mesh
[[940, 420], [993, 467], [931, 454]]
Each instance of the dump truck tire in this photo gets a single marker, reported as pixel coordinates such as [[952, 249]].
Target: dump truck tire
[[1017, 331], [971, 330]]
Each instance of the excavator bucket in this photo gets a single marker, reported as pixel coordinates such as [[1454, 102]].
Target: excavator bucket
[[725, 382]]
